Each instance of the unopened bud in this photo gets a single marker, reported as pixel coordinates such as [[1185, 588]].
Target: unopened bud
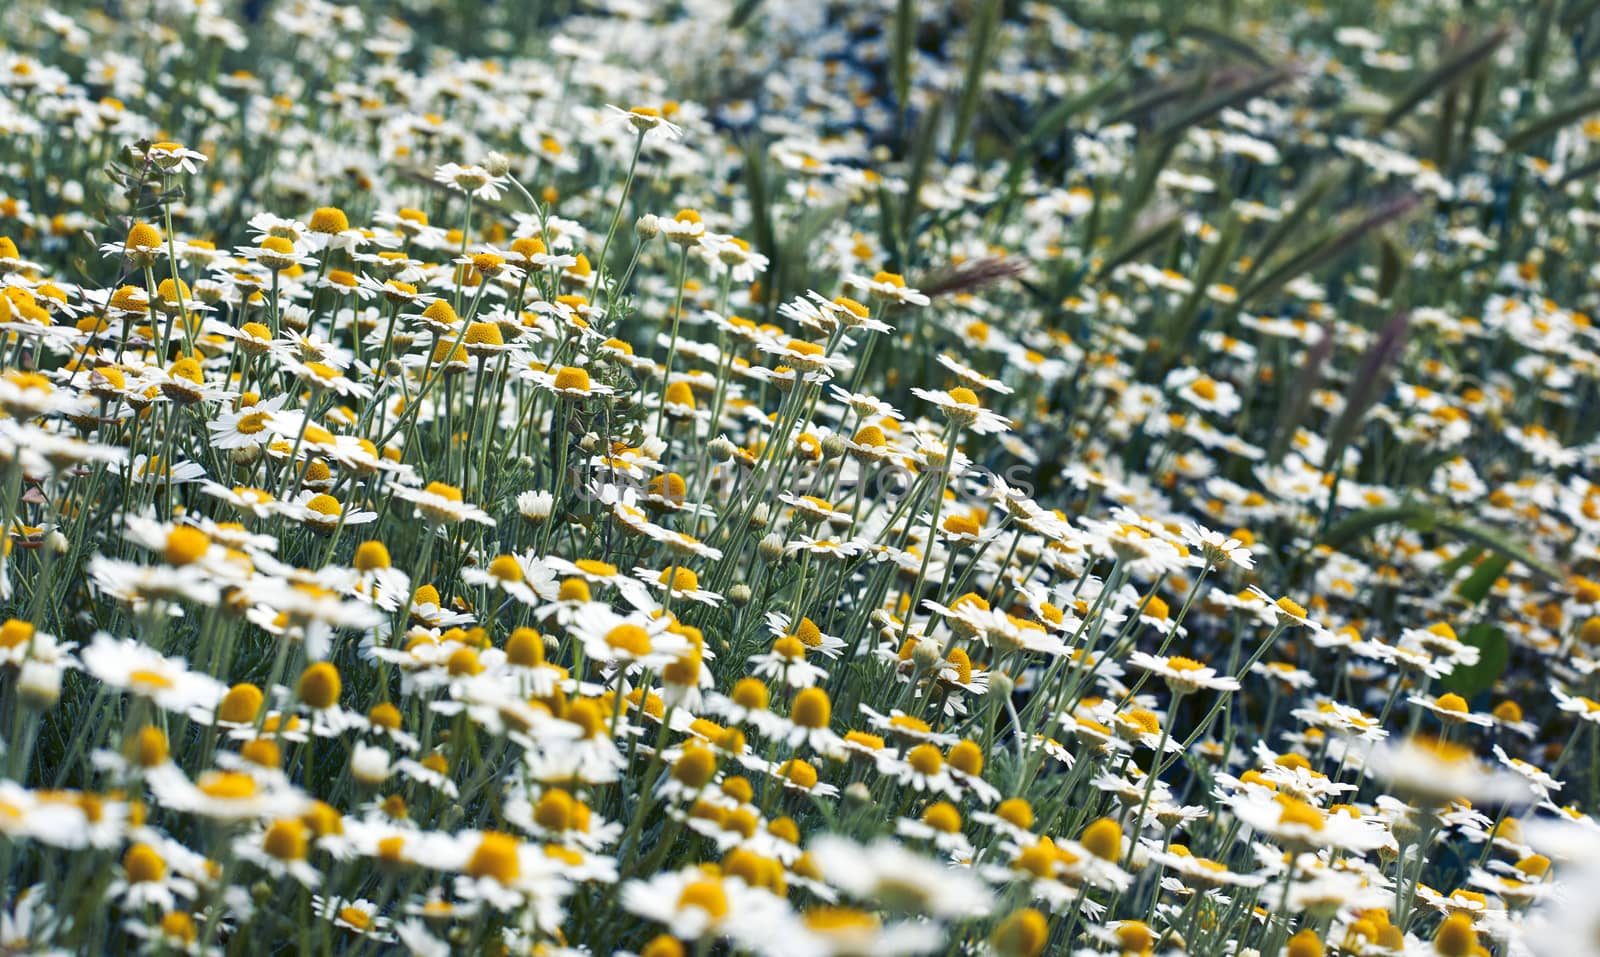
[[761, 516], [39, 684], [209, 293], [369, 765], [771, 548], [925, 656]]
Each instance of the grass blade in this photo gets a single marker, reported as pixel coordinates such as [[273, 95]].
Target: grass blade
[[1370, 381], [1447, 74], [905, 36], [982, 43], [1328, 245], [1235, 96], [1539, 127]]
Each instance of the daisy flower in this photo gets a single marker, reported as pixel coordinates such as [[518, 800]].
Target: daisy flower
[[899, 880], [440, 504], [131, 665], [647, 119], [961, 405], [1182, 675], [888, 287], [632, 641], [473, 180]]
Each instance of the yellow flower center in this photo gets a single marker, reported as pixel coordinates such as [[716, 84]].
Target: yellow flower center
[[185, 545], [227, 785], [356, 917], [329, 219], [1298, 812], [925, 759], [811, 709], [708, 896], [443, 491], [144, 236], [631, 639], [142, 864], [1103, 839], [495, 857], [506, 568], [572, 379], [149, 680], [240, 705]]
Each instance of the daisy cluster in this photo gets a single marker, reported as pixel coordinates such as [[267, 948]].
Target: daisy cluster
[[800, 479]]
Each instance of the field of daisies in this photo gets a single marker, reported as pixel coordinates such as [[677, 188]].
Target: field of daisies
[[824, 479]]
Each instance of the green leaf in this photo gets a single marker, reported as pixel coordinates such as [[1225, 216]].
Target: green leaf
[[1499, 541], [1476, 585], [1391, 266], [1494, 651], [1463, 558], [1426, 518], [1370, 520]]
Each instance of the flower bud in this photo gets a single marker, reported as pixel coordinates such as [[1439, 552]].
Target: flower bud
[[369, 765], [925, 656], [39, 684], [771, 548]]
